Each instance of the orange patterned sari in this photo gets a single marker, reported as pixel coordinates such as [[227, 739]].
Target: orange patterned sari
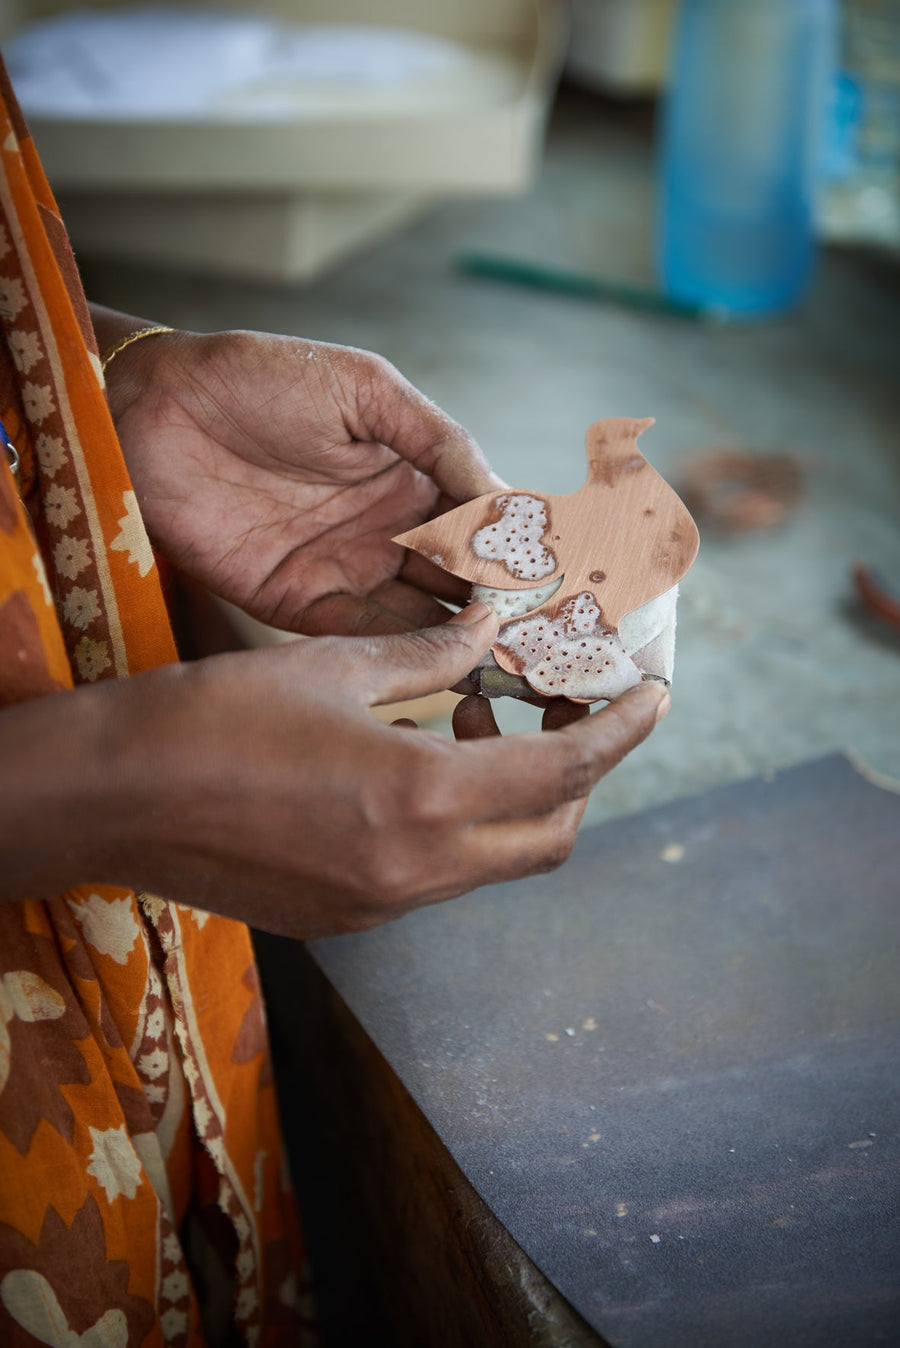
[[140, 1157]]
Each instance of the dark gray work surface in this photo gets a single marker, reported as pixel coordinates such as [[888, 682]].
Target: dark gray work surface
[[673, 1068]]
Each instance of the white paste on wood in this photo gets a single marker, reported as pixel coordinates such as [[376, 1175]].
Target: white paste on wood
[[571, 653], [513, 603], [515, 539]]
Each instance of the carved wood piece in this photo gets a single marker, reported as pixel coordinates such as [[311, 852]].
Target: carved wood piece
[[565, 570], [564, 650], [625, 536]]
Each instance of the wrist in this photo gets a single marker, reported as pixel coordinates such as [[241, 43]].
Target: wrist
[[126, 367], [149, 330]]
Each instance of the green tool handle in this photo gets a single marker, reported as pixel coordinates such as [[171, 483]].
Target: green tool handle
[[580, 286]]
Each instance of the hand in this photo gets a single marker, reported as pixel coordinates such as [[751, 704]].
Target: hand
[[259, 785], [277, 470]]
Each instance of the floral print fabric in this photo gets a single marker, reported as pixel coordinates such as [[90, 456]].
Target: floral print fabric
[[141, 1176]]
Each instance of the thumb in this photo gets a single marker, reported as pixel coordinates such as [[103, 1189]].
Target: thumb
[[398, 415], [414, 664], [457, 465]]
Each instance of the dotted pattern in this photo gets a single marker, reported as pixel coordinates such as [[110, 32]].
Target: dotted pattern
[[513, 603], [570, 653], [515, 539]]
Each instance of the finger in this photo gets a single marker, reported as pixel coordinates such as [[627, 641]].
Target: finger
[[391, 410], [393, 668], [473, 719], [628, 720], [393, 608], [511, 849], [424, 575], [561, 712], [405, 723], [416, 607], [528, 775], [507, 850]]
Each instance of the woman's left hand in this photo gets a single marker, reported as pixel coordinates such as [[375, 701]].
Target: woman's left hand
[[277, 470]]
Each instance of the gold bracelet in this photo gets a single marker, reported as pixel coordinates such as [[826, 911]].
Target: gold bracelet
[[126, 341]]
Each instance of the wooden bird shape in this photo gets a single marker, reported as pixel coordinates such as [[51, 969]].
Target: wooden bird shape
[[584, 561]]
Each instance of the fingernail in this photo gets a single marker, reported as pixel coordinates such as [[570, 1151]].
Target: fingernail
[[665, 703], [473, 613]]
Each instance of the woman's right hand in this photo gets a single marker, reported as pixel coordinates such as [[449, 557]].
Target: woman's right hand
[[258, 785]]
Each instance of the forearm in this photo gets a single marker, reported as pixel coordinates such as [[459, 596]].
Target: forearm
[[66, 788], [71, 786]]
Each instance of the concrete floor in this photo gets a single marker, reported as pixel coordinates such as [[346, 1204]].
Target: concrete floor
[[775, 663]]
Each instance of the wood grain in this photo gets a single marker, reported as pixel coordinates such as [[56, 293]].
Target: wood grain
[[625, 536]]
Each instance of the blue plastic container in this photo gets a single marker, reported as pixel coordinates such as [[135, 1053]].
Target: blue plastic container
[[740, 144]]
